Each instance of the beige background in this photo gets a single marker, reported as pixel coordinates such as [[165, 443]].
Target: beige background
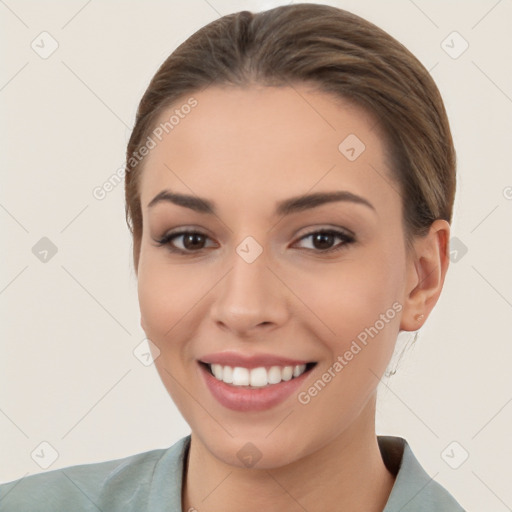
[[69, 325]]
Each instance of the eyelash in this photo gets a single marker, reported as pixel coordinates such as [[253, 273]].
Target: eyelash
[[347, 240]]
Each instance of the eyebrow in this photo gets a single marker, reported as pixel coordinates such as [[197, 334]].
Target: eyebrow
[[283, 207]]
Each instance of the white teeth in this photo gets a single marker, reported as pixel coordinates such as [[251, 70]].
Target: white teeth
[[287, 373], [217, 371], [297, 370], [256, 377], [227, 374], [274, 375], [240, 376]]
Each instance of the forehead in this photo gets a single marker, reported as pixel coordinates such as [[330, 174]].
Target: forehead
[[268, 142]]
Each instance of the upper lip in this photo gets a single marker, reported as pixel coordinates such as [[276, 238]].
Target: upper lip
[[249, 361]]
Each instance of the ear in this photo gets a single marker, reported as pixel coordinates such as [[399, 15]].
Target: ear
[[427, 265]]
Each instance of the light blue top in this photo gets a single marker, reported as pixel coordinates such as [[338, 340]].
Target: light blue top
[[151, 481]]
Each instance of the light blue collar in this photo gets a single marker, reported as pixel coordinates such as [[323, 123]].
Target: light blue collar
[[413, 491]]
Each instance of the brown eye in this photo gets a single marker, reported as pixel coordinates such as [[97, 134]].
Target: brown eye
[[184, 241], [324, 240], [193, 241]]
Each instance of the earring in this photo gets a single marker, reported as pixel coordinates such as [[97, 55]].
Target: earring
[[418, 318], [389, 373]]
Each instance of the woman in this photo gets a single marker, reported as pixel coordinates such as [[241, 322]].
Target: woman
[[289, 188]]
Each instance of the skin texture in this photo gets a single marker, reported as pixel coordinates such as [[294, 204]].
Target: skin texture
[[245, 149]]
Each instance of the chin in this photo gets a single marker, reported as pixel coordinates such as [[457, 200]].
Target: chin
[[251, 453]]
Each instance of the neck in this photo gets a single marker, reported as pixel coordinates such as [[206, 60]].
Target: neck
[[348, 470]]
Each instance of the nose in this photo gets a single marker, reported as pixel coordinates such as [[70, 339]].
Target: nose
[[250, 299]]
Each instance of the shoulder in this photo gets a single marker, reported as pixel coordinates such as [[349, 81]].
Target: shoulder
[[414, 490], [121, 484]]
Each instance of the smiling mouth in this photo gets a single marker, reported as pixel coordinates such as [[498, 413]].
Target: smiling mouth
[[254, 378]]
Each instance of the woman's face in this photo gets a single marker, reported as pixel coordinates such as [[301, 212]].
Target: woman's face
[[259, 286]]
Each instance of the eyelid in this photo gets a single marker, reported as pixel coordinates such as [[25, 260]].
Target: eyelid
[[325, 227]]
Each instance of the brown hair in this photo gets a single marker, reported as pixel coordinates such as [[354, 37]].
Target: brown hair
[[341, 54]]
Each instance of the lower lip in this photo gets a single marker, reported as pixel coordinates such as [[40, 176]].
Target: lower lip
[[256, 399]]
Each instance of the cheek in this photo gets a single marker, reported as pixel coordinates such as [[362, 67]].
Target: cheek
[[171, 298], [346, 298], [163, 298]]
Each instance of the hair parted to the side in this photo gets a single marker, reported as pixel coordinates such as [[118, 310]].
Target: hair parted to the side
[[340, 54]]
